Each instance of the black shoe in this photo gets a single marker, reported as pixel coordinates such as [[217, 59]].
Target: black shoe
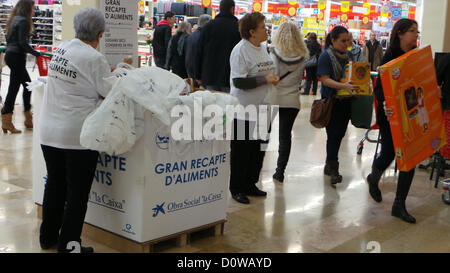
[[278, 177], [374, 191], [50, 245], [254, 191], [241, 198], [336, 179], [399, 211], [83, 249], [332, 169]]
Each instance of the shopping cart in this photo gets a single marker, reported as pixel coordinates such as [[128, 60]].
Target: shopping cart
[[2, 51], [440, 158], [374, 76], [42, 62], [446, 188]]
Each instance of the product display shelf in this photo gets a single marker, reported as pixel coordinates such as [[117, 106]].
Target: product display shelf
[[5, 10], [57, 24], [43, 26]]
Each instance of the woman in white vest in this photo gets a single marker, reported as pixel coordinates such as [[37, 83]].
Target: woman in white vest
[[288, 54], [75, 86], [252, 78]]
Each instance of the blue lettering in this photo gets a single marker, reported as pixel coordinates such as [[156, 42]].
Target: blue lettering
[[99, 160], [168, 180], [107, 160], [122, 163], [159, 168], [108, 176], [193, 164]]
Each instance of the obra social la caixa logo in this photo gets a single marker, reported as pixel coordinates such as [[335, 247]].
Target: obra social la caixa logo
[[129, 229], [162, 141], [159, 209]]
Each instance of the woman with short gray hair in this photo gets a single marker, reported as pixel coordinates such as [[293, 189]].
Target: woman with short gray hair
[[75, 86]]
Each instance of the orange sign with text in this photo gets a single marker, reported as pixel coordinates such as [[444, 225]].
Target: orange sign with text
[[411, 90], [257, 5]]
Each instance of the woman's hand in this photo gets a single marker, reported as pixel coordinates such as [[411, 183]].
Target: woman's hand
[[388, 111], [272, 79], [350, 87]]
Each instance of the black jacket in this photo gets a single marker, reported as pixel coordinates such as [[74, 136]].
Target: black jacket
[[18, 37], [443, 78], [389, 56], [191, 52], [314, 49], [175, 60], [161, 38], [217, 40]]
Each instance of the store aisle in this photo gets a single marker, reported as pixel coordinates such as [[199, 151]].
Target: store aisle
[[304, 214]]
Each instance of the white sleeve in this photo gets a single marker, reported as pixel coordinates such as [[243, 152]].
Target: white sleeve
[[239, 68], [101, 71]]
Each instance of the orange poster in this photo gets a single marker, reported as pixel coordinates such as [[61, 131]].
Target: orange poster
[[411, 90], [359, 74]]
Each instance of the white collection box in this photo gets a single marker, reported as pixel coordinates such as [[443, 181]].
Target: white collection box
[[159, 188]]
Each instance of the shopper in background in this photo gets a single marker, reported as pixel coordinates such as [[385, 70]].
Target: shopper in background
[[311, 72], [176, 51], [288, 54], [403, 39], [161, 38], [192, 44], [331, 66], [252, 78], [19, 27], [373, 52], [217, 40], [72, 94], [443, 78], [355, 50]]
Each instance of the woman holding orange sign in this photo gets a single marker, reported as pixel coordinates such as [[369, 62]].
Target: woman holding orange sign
[[403, 39]]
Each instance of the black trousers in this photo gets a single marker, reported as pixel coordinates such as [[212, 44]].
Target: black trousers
[[337, 127], [160, 62], [387, 155], [70, 176], [311, 78], [247, 157], [19, 76], [287, 119]]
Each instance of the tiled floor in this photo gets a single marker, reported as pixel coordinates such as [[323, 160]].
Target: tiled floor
[[304, 214]]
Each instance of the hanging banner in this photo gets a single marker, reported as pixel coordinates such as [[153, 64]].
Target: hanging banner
[[367, 6], [206, 3], [344, 18], [345, 6], [385, 11], [120, 37], [141, 7], [322, 4], [361, 10], [396, 13], [366, 20], [257, 5], [321, 15]]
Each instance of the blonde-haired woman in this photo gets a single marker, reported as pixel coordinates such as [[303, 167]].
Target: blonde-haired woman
[[288, 53], [176, 51]]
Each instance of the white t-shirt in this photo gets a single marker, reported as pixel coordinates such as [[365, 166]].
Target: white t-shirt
[[249, 61], [75, 83]]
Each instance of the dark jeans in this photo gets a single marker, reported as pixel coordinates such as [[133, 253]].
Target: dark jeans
[[70, 176], [246, 158], [337, 127], [218, 88], [387, 155], [311, 77], [19, 76], [160, 62], [287, 119]]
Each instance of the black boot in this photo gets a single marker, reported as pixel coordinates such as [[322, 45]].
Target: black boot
[[373, 179], [332, 169], [399, 207], [278, 176]]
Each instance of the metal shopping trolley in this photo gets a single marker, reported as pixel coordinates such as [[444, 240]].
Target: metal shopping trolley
[[374, 76]]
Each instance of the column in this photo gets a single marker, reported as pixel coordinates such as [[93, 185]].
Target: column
[[434, 23], [70, 8]]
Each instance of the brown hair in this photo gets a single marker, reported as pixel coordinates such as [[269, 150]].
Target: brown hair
[[23, 8], [401, 27], [249, 22]]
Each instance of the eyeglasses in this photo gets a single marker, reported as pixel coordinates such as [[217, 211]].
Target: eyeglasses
[[414, 31]]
